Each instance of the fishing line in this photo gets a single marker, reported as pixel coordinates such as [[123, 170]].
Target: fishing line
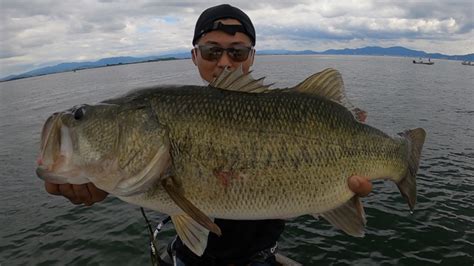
[[155, 257]]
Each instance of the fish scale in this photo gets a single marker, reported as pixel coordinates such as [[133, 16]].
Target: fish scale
[[269, 123]]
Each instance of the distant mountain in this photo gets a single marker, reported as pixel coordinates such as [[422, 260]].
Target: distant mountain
[[398, 51], [374, 50], [112, 61], [370, 50], [285, 52]]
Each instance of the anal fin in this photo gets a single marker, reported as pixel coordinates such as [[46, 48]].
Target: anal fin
[[349, 217], [193, 235]]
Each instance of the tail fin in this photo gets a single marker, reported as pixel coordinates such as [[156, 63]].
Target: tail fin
[[407, 184]]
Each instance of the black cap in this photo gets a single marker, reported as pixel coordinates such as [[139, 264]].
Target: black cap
[[205, 22]]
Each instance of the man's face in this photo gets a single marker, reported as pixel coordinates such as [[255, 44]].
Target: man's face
[[210, 69]]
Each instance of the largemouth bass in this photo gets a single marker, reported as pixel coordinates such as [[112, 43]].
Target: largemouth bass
[[232, 150]]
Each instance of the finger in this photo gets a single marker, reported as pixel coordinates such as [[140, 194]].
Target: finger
[[68, 192], [96, 194], [360, 185], [51, 188], [82, 194], [361, 115]]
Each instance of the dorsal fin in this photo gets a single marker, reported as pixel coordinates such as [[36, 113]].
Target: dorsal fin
[[329, 84], [236, 80]]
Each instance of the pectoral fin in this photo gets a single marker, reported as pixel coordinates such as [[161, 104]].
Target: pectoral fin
[[193, 235], [188, 207], [349, 217]]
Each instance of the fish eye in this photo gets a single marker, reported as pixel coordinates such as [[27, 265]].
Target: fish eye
[[79, 113]]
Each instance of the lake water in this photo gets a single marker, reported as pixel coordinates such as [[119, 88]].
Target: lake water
[[39, 229]]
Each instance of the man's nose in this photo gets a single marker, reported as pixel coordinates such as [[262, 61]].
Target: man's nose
[[224, 61]]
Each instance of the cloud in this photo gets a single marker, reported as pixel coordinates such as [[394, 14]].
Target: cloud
[[10, 52], [311, 24], [38, 32], [358, 21]]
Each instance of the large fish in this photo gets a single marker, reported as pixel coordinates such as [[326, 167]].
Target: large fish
[[232, 150]]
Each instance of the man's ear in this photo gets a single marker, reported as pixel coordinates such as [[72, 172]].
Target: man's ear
[[193, 56]]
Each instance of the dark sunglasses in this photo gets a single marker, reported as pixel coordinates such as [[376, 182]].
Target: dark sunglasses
[[238, 53]]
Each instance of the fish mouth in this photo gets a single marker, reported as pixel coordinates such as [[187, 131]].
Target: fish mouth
[[56, 149], [59, 163]]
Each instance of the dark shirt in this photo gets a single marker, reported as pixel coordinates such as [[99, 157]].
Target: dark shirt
[[240, 240]]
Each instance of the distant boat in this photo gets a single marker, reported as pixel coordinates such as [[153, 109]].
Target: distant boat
[[468, 63], [429, 62]]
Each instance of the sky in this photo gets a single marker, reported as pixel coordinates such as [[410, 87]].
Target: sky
[[36, 33]]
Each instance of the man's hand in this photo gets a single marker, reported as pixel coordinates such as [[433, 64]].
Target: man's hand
[[360, 114], [361, 186], [87, 194]]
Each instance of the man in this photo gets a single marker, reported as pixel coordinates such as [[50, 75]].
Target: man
[[224, 37]]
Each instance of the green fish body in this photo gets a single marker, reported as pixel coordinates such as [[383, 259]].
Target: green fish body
[[233, 150]]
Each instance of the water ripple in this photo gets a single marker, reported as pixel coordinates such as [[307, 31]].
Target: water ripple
[[41, 229]]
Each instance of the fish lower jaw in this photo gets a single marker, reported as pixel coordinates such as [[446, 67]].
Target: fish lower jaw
[[61, 177]]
